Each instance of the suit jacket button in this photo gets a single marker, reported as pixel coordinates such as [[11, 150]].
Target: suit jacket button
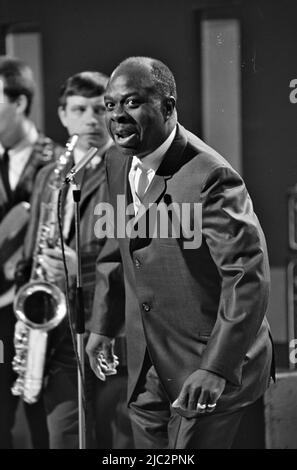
[[137, 263], [146, 307]]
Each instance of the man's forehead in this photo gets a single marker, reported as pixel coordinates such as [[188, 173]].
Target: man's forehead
[[132, 78], [80, 99]]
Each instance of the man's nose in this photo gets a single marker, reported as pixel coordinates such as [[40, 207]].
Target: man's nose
[[91, 117], [119, 114]]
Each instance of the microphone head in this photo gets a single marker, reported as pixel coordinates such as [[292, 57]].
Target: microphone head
[[80, 165]]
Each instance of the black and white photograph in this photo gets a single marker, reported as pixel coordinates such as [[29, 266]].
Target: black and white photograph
[[148, 227]]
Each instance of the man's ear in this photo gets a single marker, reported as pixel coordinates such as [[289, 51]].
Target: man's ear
[[22, 104], [168, 107], [62, 115]]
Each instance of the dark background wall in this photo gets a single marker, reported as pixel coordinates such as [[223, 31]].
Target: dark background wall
[[93, 34]]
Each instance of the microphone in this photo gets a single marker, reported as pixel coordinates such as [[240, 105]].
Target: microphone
[[80, 165]]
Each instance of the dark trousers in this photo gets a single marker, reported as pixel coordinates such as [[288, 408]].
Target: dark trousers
[[61, 403], [107, 421], [113, 427], [8, 403], [158, 426]]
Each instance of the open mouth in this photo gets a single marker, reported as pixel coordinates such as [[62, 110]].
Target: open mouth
[[126, 137]]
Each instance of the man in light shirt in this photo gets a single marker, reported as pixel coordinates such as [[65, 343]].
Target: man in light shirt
[[23, 152], [81, 111]]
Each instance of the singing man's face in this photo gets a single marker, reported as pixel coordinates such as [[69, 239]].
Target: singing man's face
[[85, 117], [134, 112]]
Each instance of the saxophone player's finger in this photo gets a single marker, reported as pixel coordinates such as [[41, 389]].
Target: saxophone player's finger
[[55, 265], [54, 253]]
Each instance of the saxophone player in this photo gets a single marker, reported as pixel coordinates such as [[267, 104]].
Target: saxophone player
[[82, 112], [23, 152]]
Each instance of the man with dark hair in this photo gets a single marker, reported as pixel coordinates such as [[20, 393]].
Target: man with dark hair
[[79, 84], [81, 112], [17, 81], [23, 152], [198, 343]]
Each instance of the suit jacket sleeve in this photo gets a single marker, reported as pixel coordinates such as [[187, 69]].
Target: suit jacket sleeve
[[109, 300], [237, 246]]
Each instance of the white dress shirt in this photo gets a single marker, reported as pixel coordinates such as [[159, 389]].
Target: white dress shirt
[[151, 163]]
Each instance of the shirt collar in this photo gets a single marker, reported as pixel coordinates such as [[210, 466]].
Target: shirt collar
[[153, 160]]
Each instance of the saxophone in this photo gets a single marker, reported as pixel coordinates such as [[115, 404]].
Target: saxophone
[[39, 305]]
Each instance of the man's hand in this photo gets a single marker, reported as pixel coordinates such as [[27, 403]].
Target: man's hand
[[200, 392], [52, 262], [102, 359]]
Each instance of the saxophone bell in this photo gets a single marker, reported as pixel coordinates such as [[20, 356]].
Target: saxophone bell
[[40, 305]]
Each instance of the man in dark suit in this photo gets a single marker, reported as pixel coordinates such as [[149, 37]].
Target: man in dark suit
[[199, 349], [23, 152], [82, 112]]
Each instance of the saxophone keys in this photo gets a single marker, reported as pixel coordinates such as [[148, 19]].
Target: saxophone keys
[[18, 363]]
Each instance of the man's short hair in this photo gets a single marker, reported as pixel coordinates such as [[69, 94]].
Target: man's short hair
[[161, 74], [18, 80], [87, 84]]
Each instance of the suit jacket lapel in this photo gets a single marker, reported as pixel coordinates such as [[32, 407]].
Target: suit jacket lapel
[[153, 194], [93, 177], [170, 164], [119, 176]]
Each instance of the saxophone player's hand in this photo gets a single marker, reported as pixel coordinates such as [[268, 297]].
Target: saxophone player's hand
[[101, 356], [52, 262]]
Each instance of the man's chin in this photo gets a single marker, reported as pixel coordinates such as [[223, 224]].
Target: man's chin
[[88, 141], [126, 150]]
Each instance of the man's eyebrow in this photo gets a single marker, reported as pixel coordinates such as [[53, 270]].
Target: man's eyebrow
[[123, 97]]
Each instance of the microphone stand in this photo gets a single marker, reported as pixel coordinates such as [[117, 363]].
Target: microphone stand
[[80, 313], [80, 320]]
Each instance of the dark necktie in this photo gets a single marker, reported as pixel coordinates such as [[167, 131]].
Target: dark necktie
[[4, 167]]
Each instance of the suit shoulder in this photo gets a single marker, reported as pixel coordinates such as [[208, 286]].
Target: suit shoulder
[[205, 160], [205, 154]]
